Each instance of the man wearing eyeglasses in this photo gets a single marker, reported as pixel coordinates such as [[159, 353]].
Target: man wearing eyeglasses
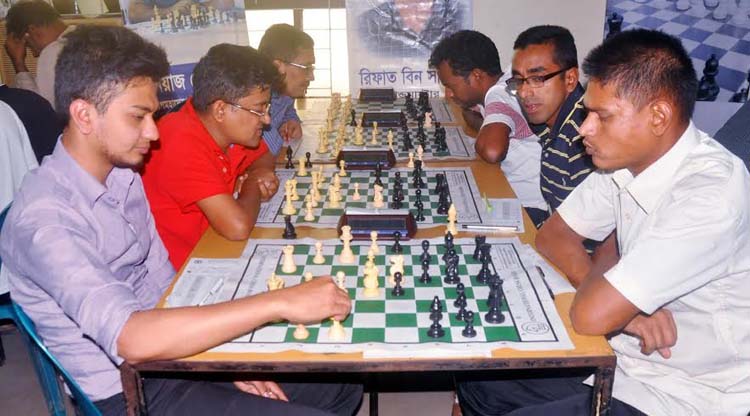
[[545, 80], [35, 25], [211, 148], [468, 65], [291, 51]]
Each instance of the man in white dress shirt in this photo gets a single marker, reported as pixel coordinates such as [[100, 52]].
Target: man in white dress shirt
[[671, 291], [37, 25]]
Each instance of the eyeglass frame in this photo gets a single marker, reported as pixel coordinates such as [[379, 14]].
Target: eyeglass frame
[[308, 68], [260, 114], [525, 80]]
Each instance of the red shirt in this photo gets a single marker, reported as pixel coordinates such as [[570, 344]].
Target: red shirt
[[186, 165]]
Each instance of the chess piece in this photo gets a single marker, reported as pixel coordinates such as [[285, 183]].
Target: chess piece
[[682, 5], [410, 164], [478, 242], [308, 208], [396, 248], [295, 195], [469, 331], [347, 255], [389, 138], [374, 245], [397, 266], [614, 24], [375, 128], [708, 88], [452, 214], [274, 282], [288, 207], [308, 276], [336, 332], [308, 163], [319, 258], [289, 163], [301, 170], [356, 196], [341, 280], [425, 277], [287, 265], [342, 171], [397, 289], [300, 333], [428, 120], [289, 232], [374, 139], [333, 198], [378, 197], [371, 282]]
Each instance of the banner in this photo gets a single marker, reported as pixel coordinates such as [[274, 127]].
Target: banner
[[186, 29], [390, 41]]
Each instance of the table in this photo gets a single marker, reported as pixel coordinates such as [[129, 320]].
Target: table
[[589, 351]]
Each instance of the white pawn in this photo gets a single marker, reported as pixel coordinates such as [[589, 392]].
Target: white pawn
[[288, 207], [377, 201], [308, 276], [315, 196], [287, 265], [274, 282], [336, 332], [342, 171], [371, 282], [420, 154], [452, 214], [410, 164], [337, 181], [301, 170], [374, 139], [341, 280], [375, 127], [347, 255], [333, 198], [319, 258], [356, 196], [308, 209], [300, 333], [427, 120], [374, 245], [295, 195]]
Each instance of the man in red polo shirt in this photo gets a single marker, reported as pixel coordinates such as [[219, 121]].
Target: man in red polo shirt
[[211, 148]]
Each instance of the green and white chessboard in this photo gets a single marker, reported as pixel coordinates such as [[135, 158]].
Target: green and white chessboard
[[441, 110], [459, 145], [461, 184], [387, 325]]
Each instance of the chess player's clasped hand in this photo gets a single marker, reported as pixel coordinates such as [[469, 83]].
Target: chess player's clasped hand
[[267, 389], [657, 332], [290, 130], [15, 47], [267, 181], [315, 301]]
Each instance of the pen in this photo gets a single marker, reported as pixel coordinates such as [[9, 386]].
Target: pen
[[544, 279], [217, 286], [487, 202], [487, 227]]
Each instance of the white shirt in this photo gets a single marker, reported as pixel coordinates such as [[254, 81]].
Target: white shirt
[[16, 158], [44, 84], [522, 163], [683, 229]]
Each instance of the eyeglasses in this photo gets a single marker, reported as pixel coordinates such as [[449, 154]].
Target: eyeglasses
[[308, 68], [260, 114], [534, 81]]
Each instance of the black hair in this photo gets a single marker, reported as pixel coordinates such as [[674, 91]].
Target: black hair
[[566, 54], [643, 65], [283, 42], [26, 13], [229, 72], [98, 62], [465, 51]]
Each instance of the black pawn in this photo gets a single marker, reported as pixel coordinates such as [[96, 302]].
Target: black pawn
[[396, 247], [425, 278], [469, 331], [436, 330], [289, 232], [436, 309], [418, 193], [353, 121], [461, 315], [478, 241], [425, 251], [449, 240], [420, 211], [494, 316], [460, 288], [614, 24], [460, 300], [397, 289], [289, 162], [308, 163]]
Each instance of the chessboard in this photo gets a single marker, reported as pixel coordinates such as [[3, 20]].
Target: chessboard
[[441, 110], [701, 34], [397, 325], [463, 192], [458, 145]]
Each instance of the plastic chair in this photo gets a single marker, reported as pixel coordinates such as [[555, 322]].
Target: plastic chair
[[50, 368]]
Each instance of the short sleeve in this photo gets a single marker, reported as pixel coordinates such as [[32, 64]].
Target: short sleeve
[[589, 209], [188, 175]]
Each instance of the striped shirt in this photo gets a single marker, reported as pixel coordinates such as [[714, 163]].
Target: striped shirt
[[282, 110], [565, 163]]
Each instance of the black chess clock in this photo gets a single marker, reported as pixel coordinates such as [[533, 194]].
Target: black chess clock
[[377, 94], [385, 222], [366, 159]]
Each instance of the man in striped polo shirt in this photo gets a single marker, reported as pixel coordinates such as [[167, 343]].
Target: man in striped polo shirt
[[545, 80]]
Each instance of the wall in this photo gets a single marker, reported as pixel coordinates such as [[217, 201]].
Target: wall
[[503, 20]]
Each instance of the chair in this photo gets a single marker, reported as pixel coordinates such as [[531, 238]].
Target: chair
[[51, 368]]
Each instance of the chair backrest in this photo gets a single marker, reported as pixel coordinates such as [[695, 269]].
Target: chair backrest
[[82, 401], [3, 214]]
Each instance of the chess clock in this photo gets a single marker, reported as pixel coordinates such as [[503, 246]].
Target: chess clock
[[384, 118], [377, 95], [366, 159], [384, 221]]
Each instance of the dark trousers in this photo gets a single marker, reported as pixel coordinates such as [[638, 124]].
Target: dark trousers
[[559, 396], [190, 397]]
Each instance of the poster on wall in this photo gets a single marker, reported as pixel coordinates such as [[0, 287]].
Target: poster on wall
[[186, 29], [716, 34], [390, 41]]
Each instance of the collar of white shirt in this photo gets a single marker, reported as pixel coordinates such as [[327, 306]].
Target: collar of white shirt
[[649, 185]]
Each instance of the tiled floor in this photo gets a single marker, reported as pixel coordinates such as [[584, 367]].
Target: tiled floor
[[20, 393]]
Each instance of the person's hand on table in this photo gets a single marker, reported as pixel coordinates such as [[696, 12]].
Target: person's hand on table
[[657, 332], [267, 181], [267, 389]]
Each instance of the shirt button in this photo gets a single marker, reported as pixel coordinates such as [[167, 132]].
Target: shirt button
[[546, 154]]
